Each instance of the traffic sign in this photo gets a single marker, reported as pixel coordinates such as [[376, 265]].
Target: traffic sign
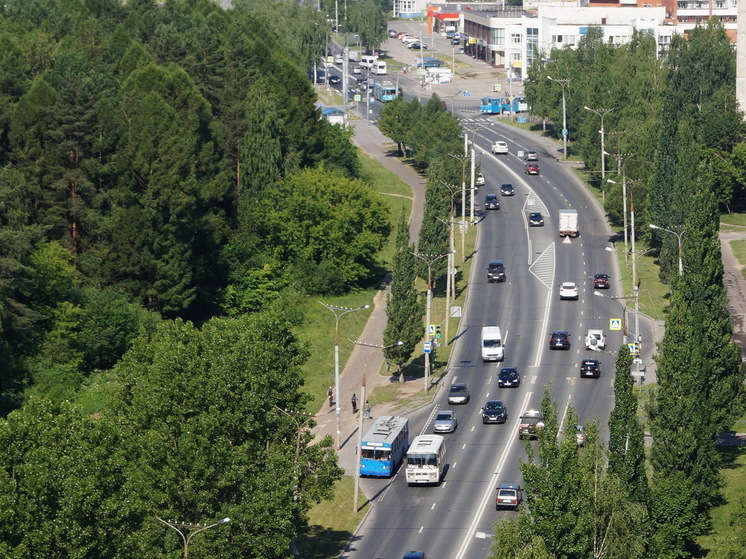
[[428, 347], [330, 59], [615, 324], [632, 349], [357, 98], [431, 329], [497, 87]]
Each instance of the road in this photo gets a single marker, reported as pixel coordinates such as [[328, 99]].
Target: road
[[455, 520]]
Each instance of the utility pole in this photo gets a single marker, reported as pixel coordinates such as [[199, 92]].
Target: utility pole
[[563, 83]]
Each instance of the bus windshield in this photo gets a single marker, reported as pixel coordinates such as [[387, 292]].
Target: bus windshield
[[375, 454], [422, 459]]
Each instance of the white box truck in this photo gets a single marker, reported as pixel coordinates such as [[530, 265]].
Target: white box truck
[[493, 348], [568, 223]]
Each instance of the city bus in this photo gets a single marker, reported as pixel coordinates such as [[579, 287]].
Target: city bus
[[384, 91], [384, 446], [496, 106], [426, 460]]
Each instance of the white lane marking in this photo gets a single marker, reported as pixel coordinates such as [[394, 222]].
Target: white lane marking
[[544, 323], [489, 491], [564, 414], [432, 507]]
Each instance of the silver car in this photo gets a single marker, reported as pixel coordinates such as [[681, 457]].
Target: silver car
[[445, 422], [458, 394]]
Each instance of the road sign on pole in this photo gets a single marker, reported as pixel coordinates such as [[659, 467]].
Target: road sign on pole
[[428, 347], [431, 329], [615, 324]]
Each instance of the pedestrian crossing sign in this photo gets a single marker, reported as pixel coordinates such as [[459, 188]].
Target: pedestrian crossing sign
[[615, 324], [431, 329]]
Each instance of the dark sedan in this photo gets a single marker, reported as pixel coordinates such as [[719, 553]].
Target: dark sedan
[[494, 411], [507, 189], [509, 377], [334, 79], [491, 202], [601, 281], [535, 219]]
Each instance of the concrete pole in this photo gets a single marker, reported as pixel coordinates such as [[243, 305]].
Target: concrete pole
[[473, 193], [359, 439]]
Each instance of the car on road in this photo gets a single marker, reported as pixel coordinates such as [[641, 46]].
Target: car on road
[[491, 202], [334, 79], [509, 496], [508, 377], [590, 368], [455, 41], [458, 393], [506, 189], [568, 290], [532, 169], [601, 281], [595, 340], [357, 70], [494, 411], [531, 155], [479, 180], [500, 147], [580, 435], [417, 46], [339, 59], [530, 423], [415, 555], [495, 271], [445, 422], [559, 339], [535, 219]]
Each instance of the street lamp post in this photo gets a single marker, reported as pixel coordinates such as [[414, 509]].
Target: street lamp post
[[563, 83], [678, 237], [339, 312], [188, 531], [429, 259], [363, 405], [602, 113]]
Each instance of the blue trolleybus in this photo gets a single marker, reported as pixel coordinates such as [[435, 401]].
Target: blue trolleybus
[[384, 446], [384, 91]]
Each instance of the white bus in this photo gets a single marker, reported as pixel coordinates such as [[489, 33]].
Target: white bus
[[379, 68], [426, 459]]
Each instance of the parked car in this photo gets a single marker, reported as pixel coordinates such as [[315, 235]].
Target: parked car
[[393, 33], [494, 411], [590, 368], [532, 169], [535, 219], [479, 180], [458, 393], [559, 339], [508, 377], [357, 70], [580, 435], [601, 281], [509, 496], [568, 290], [334, 79], [417, 46], [445, 422], [455, 41], [531, 155], [495, 271], [507, 189]]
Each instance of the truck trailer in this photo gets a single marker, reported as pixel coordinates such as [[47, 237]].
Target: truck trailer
[[568, 223]]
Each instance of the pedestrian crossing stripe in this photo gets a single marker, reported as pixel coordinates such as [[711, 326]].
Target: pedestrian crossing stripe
[[615, 324]]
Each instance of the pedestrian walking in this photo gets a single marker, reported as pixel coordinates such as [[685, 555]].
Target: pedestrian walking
[[353, 401], [367, 410], [330, 394]]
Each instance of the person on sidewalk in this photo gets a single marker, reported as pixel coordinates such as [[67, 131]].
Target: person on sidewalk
[[367, 410], [330, 395], [353, 401]]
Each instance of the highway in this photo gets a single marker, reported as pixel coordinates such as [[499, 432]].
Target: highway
[[455, 520]]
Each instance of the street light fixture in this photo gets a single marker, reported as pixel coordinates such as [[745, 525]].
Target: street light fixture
[[188, 531], [339, 312], [429, 259], [602, 113], [678, 237], [563, 83]]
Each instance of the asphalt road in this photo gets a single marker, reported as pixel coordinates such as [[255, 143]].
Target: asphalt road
[[455, 520]]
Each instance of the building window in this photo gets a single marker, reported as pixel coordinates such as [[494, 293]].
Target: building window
[[515, 56], [516, 39], [498, 36], [407, 6]]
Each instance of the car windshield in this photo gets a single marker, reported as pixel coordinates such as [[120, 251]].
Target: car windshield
[[443, 416], [506, 493], [491, 197], [457, 388], [494, 406], [491, 343], [509, 373]]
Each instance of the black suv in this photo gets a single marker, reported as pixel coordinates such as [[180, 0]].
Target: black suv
[[491, 202], [494, 411], [590, 368], [495, 271], [559, 340]]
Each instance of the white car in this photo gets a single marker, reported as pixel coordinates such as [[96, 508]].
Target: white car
[[408, 39], [479, 181], [568, 290], [595, 340], [500, 147], [339, 59], [357, 70]]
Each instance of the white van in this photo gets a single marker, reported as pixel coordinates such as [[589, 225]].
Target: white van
[[379, 68], [493, 348], [368, 61]]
